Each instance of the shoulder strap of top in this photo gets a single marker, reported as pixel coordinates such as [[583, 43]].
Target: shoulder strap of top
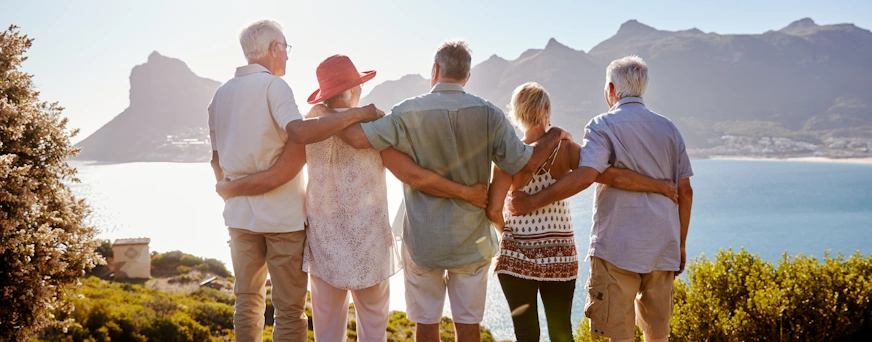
[[541, 168], [554, 155]]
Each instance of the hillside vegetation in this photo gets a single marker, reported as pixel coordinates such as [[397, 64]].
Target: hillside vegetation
[[740, 297]]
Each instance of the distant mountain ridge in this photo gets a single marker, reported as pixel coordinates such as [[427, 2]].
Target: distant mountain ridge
[[808, 82], [166, 119], [805, 79]]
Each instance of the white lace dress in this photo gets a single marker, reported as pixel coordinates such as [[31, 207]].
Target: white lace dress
[[349, 241]]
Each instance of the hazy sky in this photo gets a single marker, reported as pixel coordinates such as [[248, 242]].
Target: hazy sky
[[84, 50]]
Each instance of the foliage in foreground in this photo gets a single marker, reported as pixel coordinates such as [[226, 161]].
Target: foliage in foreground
[[46, 246], [112, 311], [741, 297]]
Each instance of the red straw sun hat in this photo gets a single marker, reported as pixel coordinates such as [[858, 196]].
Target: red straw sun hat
[[335, 75]]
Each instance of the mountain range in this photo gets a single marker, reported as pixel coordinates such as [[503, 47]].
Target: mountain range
[[805, 81], [166, 119]]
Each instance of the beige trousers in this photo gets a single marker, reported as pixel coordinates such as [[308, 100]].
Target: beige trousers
[[330, 311], [282, 254], [619, 299]]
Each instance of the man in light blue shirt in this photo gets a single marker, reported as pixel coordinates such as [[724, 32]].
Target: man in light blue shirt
[[637, 241]]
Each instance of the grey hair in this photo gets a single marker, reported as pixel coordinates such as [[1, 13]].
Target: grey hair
[[454, 59], [629, 75], [257, 37], [343, 96]]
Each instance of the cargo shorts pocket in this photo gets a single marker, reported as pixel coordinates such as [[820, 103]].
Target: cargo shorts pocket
[[597, 306]]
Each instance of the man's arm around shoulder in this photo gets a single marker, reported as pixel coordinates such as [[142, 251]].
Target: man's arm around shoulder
[[571, 184], [289, 163], [315, 129]]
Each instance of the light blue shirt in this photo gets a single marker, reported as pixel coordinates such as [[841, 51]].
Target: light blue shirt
[[456, 135], [635, 231]]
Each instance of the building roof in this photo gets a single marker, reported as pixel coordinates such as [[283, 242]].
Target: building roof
[[207, 281], [134, 241]]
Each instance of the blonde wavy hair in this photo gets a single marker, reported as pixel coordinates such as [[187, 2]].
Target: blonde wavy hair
[[530, 105]]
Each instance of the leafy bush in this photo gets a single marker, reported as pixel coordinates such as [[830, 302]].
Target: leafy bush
[[46, 245], [174, 262], [190, 260], [129, 312], [740, 297], [217, 267], [105, 249]]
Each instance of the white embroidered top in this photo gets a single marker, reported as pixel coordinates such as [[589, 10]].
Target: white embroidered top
[[349, 241]]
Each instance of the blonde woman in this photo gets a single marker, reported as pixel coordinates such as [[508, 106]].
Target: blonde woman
[[537, 250]]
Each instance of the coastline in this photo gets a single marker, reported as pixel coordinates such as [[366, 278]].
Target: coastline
[[862, 161]]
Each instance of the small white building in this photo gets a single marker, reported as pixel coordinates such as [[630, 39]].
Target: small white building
[[131, 259]]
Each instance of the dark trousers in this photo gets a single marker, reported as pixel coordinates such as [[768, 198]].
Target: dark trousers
[[556, 297]]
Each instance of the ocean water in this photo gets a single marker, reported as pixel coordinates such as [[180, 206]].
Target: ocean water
[[766, 207]]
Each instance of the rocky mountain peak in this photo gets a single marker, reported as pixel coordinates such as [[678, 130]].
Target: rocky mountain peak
[[553, 44], [635, 27]]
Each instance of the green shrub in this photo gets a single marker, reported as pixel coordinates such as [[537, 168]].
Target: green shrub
[[740, 297], [170, 264], [130, 312], [205, 294], [217, 267], [105, 249], [216, 316], [167, 259], [190, 260], [267, 333]]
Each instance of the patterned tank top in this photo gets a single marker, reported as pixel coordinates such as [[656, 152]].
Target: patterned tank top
[[539, 245]]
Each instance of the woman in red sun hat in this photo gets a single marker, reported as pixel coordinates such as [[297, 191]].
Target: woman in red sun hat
[[350, 248]]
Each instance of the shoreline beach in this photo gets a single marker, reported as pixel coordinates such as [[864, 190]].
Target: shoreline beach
[[863, 161]]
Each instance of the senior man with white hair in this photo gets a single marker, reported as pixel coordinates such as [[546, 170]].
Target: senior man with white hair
[[252, 119], [637, 241]]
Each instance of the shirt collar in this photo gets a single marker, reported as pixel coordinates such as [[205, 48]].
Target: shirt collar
[[251, 69], [628, 100], [447, 87]]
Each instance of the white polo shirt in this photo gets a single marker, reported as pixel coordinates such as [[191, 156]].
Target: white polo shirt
[[247, 120]]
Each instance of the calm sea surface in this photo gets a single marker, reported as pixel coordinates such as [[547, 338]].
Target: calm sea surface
[[766, 207]]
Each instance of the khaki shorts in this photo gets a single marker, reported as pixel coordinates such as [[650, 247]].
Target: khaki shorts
[[618, 299], [425, 292]]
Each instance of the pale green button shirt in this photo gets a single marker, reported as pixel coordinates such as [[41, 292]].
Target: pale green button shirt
[[458, 136]]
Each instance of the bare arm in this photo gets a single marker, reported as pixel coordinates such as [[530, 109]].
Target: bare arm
[[630, 180], [500, 184], [216, 167], [685, 202], [351, 135], [407, 171], [316, 128], [543, 147], [571, 184], [286, 167]]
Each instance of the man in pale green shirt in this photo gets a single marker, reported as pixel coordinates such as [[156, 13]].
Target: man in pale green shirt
[[458, 136]]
